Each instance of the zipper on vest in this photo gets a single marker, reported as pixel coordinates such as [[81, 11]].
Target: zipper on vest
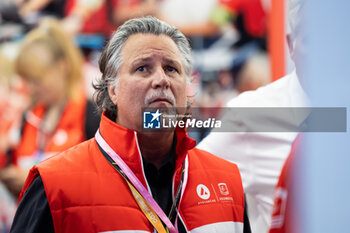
[[143, 170], [183, 190]]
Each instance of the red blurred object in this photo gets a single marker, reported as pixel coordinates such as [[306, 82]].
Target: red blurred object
[[285, 205], [253, 14], [13, 101], [100, 20], [277, 39]]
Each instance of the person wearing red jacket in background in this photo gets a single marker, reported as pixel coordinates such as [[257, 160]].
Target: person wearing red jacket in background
[[284, 216], [60, 115]]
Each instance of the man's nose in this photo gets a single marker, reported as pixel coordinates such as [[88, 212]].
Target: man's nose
[[160, 79]]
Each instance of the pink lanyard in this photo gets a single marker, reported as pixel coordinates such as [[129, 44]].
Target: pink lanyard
[[135, 181]]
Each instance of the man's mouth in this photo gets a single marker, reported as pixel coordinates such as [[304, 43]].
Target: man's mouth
[[161, 99]]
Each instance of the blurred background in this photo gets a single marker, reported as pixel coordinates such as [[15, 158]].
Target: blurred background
[[238, 46]]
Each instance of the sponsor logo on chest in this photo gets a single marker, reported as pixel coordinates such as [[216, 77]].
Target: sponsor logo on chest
[[213, 193]]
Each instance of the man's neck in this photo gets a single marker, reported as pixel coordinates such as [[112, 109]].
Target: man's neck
[[156, 147]]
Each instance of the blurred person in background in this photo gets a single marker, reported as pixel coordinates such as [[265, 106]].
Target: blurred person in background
[[214, 96], [255, 73], [261, 155], [60, 115], [13, 100]]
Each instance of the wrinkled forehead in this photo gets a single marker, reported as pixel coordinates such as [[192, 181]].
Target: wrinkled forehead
[[150, 47]]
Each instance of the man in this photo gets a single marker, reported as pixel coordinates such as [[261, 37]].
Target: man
[[128, 180], [261, 155]]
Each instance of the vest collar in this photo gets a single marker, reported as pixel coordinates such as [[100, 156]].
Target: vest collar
[[124, 142]]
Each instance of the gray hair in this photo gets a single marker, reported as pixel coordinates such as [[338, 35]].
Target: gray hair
[[111, 58], [295, 8]]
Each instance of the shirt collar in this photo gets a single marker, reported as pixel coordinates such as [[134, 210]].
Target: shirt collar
[[300, 99]]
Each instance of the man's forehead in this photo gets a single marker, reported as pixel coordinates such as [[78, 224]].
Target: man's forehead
[[153, 57], [149, 47]]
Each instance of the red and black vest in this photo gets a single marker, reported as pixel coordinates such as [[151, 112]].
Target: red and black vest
[[86, 194]]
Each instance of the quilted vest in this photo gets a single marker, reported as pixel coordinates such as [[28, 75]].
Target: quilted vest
[[86, 194]]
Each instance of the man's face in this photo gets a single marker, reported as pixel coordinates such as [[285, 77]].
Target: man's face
[[151, 75]]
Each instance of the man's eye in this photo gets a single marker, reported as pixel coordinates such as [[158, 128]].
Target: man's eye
[[141, 69], [170, 69]]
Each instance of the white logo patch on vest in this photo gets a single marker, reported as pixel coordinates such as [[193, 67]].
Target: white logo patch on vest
[[60, 137], [203, 192], [223, 189]]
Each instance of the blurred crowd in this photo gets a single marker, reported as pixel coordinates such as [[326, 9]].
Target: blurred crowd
[[49, 51]]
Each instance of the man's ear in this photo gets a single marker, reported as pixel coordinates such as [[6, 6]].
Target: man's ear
[[112, 92], [290, 45]]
